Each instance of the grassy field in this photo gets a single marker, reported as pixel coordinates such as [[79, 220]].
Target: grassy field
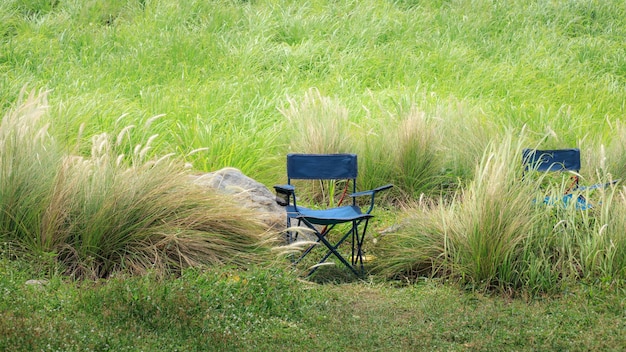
[[235, 77], [271, 310], [108, 105]]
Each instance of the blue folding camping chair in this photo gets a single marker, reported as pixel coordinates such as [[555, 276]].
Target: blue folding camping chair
[[560, 160], [333, 167]]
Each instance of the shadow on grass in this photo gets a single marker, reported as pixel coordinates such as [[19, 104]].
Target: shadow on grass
[[336, 274]]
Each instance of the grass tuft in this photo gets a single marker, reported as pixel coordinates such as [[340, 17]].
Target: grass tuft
[[109, 212], [474, 237]]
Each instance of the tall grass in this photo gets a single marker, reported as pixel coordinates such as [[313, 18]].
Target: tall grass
[[318, 125], [110, 212], [497, 233], [29, 162], [476, 235], [404, 150], [493, 217], [610, 157], [221, 71], [594, 241], [603, 254]]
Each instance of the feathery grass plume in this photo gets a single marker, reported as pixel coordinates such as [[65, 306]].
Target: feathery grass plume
[[477, 236], [465, 134], [145, 215], [599, 239], [318, 124], [547, 259], [417, 153], [495, 215], [614, 155], [105, 213], [404, 151], [28, 166], [418, 248]]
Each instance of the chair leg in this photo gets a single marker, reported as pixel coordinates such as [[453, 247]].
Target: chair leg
[[334, 251], [289, 236], [330, 252], [357, 244], [355, 235], [360, 239], [311, 247]]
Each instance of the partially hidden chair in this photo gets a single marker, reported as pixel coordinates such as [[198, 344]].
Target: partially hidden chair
[[560, 160], [332, 167]]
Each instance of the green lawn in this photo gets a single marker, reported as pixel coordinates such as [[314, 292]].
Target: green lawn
[[268, 310]]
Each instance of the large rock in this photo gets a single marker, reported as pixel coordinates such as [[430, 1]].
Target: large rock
[[248, 192]]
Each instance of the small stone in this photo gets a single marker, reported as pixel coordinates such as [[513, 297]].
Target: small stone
[[36, 283]]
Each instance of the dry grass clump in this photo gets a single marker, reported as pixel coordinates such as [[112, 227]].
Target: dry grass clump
[[318, 124], [109, 212], [476, 235], [497, 232]]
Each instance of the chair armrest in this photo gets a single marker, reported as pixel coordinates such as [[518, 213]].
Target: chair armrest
[[371, 193], [284, 193], [285, 188]]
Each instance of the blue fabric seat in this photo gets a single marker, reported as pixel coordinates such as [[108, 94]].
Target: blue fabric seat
[[330, 167], [328, 216]]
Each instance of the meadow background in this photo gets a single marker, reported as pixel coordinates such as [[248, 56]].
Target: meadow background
[[107, 105]]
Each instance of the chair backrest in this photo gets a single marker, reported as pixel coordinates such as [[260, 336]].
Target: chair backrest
[[321, 167], [551, 160]]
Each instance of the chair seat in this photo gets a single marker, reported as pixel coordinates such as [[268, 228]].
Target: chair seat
[[328, 216], [581, 203]]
